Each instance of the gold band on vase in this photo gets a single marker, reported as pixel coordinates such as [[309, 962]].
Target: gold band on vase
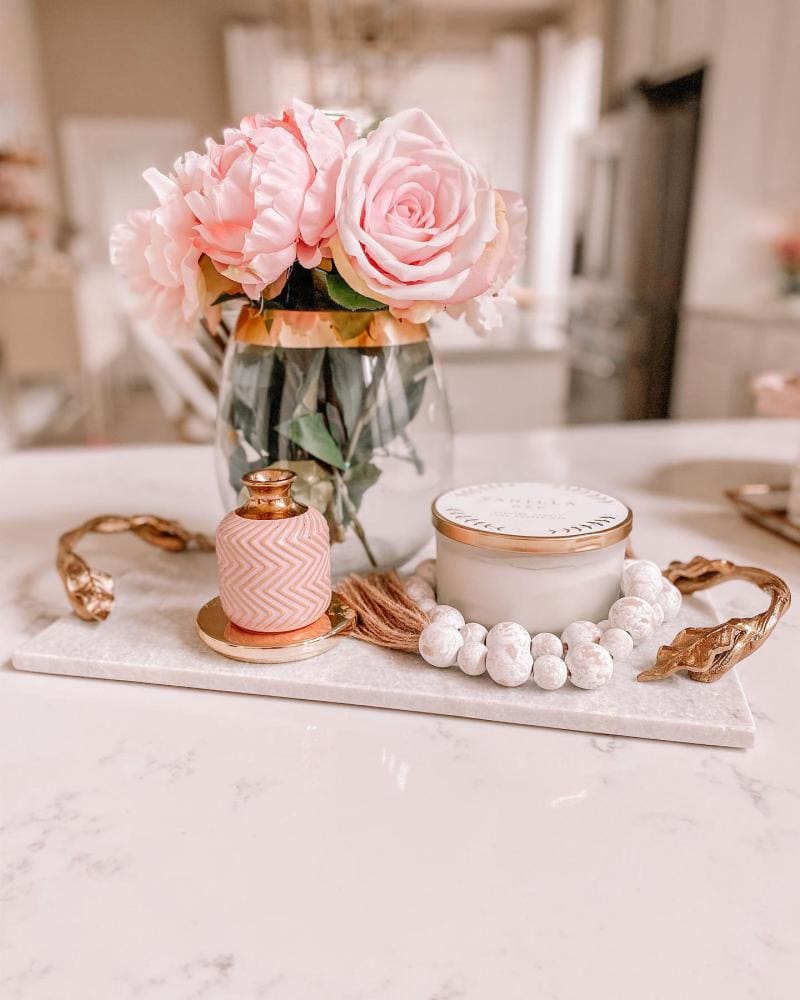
[[294, 328]]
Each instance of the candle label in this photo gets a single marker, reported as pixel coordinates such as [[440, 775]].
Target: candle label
[[531, 510]]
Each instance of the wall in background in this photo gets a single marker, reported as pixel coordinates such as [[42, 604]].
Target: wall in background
[[749, 170], [748, 179], [165, 58], [21, 89], [144, 59], [23, 115]]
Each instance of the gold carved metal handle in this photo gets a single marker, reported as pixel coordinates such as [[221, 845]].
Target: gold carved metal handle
[[709, 653], [91, 591], [706, 654]]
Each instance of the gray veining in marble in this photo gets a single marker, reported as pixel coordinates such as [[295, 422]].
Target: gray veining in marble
[[150, 638], [162, 844]]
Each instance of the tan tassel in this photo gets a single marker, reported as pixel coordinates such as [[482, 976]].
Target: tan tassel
[[386, 614]]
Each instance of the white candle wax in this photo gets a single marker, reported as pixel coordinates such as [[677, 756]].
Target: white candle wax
[[533, 553]]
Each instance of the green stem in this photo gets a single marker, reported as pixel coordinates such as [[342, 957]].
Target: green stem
[[368, 409], [351, 510]]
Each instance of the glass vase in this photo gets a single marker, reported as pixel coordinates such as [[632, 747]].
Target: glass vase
[[351, 402]]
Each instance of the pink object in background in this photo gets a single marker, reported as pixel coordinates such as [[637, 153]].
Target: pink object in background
[[274, 558], [777, 394]]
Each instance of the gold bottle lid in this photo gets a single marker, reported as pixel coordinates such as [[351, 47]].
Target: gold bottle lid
[[531, 517], [270, 495]]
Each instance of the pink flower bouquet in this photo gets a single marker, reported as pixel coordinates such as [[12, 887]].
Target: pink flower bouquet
[[328, 241], [297, 212]]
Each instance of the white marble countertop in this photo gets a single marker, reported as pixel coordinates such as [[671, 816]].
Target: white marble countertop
[[167, 844]]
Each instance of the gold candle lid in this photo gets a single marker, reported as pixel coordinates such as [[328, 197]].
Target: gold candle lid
[[531, 517], [270, 495]]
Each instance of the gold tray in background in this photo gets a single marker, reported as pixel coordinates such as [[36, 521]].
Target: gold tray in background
[[765, 506]]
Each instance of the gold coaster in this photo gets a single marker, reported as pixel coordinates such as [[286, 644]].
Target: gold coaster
[[217, 631]]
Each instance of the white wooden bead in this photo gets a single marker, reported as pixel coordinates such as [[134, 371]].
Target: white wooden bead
[[546, 644], [549, 672], [473, 632], [509, 633], [427, 606], [418, 589], [670, 600], [427, 570], [658, 614], [578, 632], [604, 625], [445, 615], [634, 615], [641, 570], [472, 658], [646, 588], [590, 665], [508, 664], [439, 644], [618, 642]]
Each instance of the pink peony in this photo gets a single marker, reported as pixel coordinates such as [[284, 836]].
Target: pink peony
[[418, 227], [156, 251], [267, 195]]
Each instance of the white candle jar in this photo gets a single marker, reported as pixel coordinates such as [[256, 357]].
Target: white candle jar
[[539, 554]]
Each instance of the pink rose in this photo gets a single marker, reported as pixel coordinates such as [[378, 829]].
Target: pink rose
[[268, 194], [490, 310], [419, 228], [156, 252]]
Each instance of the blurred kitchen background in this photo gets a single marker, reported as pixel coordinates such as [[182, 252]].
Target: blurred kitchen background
[[657, 143]]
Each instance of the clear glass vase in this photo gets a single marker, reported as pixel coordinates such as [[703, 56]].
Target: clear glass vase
[[353, 403]]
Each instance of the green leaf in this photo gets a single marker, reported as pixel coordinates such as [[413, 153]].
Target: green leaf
[[229, 297], [347, 378], [349, 325], [358, 479], [333, 419], [311, 434], [401, 373], [346, 297], [306, 374]]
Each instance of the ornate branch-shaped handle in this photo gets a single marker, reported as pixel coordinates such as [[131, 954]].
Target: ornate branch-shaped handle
[[708, 653], [91, 591]]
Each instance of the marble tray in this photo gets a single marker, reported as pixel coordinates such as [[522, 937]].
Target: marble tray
[[150, 638]]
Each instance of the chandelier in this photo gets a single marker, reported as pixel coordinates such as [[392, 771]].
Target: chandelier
[[355, 49]]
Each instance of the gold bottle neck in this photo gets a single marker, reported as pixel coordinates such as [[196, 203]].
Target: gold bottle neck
[[270, 496]]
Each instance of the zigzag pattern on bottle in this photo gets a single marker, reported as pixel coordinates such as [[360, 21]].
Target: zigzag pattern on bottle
[[274, 576]]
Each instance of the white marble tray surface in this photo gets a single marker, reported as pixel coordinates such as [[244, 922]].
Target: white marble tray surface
[[150, 638]]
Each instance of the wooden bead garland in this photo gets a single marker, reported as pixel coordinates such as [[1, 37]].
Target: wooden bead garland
[[445, 615], [419, 589], [634, 615], [584, 654], [473, 632], [472, 658], [618, 642], [549, 672], [546, 644], [439, 644]]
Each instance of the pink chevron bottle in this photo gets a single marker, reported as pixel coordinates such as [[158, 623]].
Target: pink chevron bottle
[[273, 555]]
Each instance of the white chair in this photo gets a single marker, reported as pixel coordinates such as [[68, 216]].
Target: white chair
[[182, 380]]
